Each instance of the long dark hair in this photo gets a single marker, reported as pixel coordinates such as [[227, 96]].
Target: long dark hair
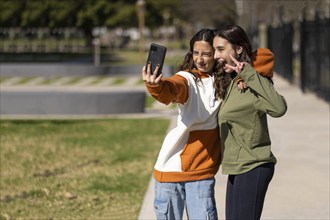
[[237, 37], [188, 62]]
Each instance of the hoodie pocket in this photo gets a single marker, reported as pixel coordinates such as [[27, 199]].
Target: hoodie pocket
[[202, 151]]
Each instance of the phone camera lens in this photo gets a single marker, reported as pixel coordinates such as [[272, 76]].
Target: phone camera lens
[[153, 49]]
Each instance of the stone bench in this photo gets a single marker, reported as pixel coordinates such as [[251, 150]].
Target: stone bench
[[71, 101]]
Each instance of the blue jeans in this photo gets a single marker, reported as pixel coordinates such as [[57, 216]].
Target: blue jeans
[[196, 196]]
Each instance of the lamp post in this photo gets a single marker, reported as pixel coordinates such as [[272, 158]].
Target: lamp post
[[97, 51], [166, 17], [140, 4]]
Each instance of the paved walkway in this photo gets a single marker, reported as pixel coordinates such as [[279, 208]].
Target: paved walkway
[[300, 141]]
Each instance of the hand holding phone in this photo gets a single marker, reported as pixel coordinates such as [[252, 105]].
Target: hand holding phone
[[156, 57], [151, 79]]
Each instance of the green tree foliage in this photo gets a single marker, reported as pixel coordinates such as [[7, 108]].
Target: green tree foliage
[[155, 11], [35, 14], [84, 14], [121, 14], [63, 13], [10, 13], [88, 14]]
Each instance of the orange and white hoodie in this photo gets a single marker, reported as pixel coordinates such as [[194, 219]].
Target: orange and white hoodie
[[191, 151]]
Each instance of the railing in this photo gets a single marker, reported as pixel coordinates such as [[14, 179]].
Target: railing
[[312, 55], [315, 53], [280, 42]]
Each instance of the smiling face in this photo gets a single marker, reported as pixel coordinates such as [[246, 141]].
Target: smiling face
[[203, 56], [222, 51]]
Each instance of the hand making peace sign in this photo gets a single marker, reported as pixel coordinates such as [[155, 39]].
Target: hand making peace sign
[[239, 65], [238, 69]]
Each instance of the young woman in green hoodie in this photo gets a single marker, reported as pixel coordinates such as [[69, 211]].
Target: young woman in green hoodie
[[246, 145]]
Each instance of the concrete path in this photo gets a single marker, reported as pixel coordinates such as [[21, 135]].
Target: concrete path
[[300, 141]]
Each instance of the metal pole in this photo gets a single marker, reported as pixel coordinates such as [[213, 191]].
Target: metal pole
[[97, 52], [141, 13]]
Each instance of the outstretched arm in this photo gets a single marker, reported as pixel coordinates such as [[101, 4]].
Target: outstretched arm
[[166, 91]]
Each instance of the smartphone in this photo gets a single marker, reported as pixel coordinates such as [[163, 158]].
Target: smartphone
[[156, 56]]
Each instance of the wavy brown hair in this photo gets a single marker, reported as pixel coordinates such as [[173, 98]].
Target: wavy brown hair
[[188, 62], [221, 81], [237, 37]]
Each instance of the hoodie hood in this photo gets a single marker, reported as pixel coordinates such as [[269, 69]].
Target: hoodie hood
[[263, 62]]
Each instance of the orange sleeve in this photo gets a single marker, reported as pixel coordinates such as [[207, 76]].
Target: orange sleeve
[[263, 62], [170, 90]]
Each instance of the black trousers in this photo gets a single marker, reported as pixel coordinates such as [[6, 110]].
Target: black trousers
[[246, 193]]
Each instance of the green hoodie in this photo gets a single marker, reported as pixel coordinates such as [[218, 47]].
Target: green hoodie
[[243, 122]]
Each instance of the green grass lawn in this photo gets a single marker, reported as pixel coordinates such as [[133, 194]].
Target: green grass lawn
[[78, 169]]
